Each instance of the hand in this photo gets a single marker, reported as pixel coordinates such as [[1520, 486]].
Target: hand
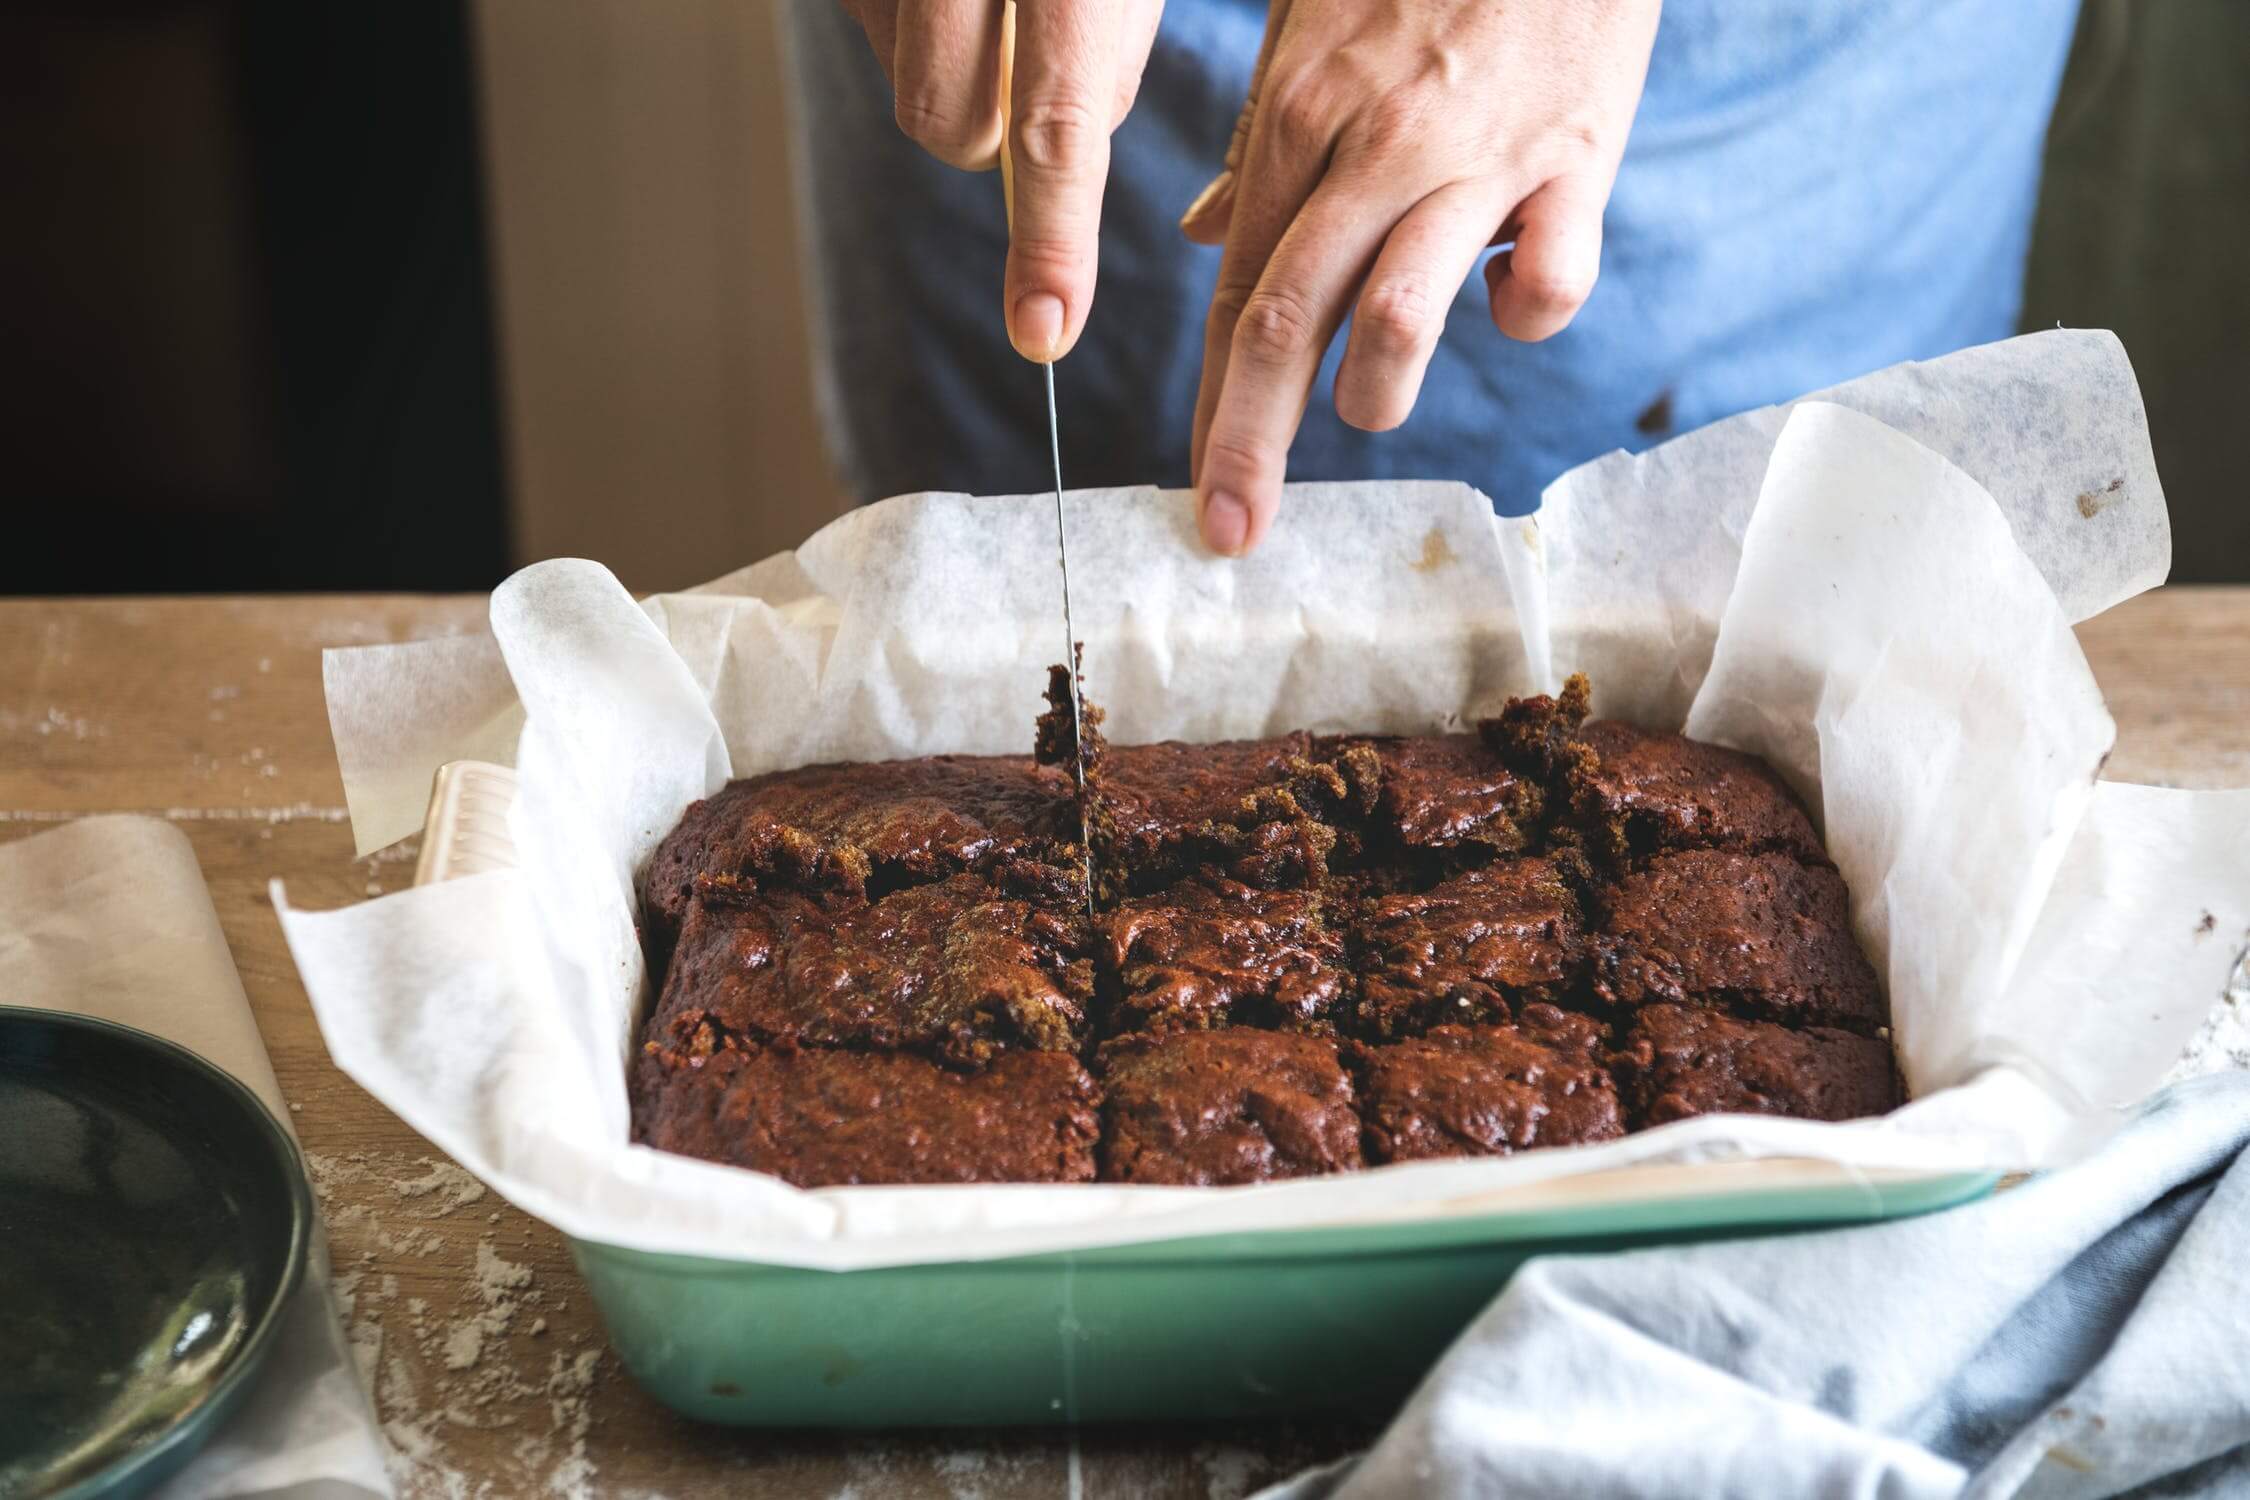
[[1077, 67], [1384, 146]]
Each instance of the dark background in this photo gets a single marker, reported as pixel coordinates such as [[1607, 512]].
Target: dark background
[[246, 321], [245, 331], [2143, 219]]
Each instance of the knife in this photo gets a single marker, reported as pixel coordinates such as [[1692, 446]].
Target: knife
[[1054, 453]]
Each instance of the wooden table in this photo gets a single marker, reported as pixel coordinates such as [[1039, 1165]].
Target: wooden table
[[487, 1363]]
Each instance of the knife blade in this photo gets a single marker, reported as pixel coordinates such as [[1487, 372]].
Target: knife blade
[[1054, 454]]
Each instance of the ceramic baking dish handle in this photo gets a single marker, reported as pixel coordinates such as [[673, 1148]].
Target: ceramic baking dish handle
[[465, 831]]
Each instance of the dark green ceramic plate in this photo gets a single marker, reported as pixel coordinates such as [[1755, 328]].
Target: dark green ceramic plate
[[153, 1223]]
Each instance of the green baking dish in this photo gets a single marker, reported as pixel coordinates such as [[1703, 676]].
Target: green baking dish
[[1244, 1325], [1340, 1318]]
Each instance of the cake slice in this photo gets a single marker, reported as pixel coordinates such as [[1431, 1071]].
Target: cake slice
[[1214, 951], [830, 1119], [1682, 1060], [1488, 1090], [1442, 795], [1759, 935], [859, 826], [1251, 808], [1470, 949], [1207, 1108], [1635, 792], [957, 969]]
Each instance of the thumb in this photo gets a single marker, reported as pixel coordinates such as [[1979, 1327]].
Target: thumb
[[1212, 213]]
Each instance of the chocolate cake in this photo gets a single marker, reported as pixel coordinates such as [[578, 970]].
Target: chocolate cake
[[1759, 934], [1248, 807], [1638, 792], [1489, 1090], [1215, 952], [1469, 949], [957, 969], [842, 826], [1683, 1060], [1305, 952], [827, 1119], [1447, 793], [1210, 1108]]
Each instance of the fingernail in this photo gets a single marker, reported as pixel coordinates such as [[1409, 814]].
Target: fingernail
[[1038, 325], [1226, 525], [1221, 184]]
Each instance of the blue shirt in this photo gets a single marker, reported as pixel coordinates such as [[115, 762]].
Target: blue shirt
[[1812, 189]]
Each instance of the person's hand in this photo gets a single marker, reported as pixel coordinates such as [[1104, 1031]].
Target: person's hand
[[1384, 146], [1077, 67]]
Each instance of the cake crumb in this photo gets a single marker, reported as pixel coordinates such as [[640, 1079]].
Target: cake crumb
[[1435, 552]]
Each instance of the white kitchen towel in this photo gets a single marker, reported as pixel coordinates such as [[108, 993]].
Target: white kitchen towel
[[109, 917], [2084, 1334]]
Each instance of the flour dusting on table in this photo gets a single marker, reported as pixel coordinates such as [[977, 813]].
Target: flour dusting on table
[[446, 1355]]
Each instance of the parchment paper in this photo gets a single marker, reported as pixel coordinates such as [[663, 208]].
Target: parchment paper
[[1889, 642], [2049, 424], [109, 917]]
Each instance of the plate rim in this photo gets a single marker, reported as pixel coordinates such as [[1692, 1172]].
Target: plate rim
[[185, 1438]]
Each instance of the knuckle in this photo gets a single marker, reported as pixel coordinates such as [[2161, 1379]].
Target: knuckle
[[929, 120], [1046, 259], [1239, 457], [1057, 134], [1394, 122], [1553, 288], [1396, 315], [1227, 301], [1370, 410], [1583, 136], [1303, 115], [1275, 327], [1566, 146]]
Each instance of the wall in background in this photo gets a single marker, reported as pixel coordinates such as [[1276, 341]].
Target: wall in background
[[659, 413]]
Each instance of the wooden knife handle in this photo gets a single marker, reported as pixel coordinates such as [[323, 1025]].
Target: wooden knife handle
[[1007, 108]]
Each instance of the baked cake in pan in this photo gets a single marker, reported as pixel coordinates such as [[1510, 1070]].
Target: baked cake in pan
[[1308, 953]]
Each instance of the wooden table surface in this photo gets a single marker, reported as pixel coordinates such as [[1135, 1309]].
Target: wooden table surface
[[486, 1359]]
